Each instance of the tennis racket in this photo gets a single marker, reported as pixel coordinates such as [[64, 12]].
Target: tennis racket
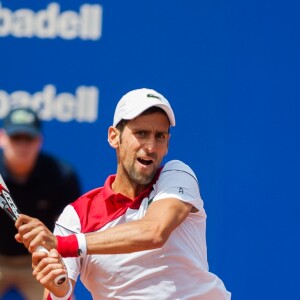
[[9, 206]]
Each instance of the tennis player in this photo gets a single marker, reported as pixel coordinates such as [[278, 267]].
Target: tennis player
[[142, 235]]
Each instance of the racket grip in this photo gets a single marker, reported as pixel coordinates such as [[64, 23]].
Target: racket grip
[[60, 279]]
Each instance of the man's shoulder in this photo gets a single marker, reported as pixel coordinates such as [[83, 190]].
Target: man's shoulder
[[87, 198], [92, 210], [91, 194], [176, 165]]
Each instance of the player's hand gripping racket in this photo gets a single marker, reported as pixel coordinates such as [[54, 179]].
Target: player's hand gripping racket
[[10, 207]]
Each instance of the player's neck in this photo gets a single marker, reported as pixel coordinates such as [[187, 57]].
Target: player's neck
[[127, 187]]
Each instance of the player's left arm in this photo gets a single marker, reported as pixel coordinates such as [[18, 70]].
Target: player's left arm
[[150, 232]]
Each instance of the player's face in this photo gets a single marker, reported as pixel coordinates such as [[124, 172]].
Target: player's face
[[142, 147], [20, 151]]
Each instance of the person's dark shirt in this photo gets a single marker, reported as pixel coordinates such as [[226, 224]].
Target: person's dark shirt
[[51, 186]]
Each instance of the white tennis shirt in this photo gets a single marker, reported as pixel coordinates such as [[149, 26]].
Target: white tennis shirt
[[178, 270]]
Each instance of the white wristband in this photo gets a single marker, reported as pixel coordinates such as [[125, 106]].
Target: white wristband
[[66, 297], [82, 248]]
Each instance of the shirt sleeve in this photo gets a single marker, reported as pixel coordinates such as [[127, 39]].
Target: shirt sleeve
[[69, 223], [177, 180]]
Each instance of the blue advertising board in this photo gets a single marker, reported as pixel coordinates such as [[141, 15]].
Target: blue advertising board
[[230, 70]]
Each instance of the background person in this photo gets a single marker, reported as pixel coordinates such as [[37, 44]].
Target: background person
[[41, 185], [141, 235]]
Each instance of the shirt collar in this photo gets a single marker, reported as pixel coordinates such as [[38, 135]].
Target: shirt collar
[[120, 198]]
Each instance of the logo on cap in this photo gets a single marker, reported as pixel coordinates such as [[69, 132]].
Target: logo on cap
[[153, 96], [22, 117]]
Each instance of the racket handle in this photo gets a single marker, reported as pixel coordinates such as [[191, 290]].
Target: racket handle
[[60, 279]]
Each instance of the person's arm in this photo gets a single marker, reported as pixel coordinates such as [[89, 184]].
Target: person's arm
[[150, 232]]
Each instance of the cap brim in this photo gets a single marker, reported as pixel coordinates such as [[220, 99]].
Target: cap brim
[[138, 111], [15, 130]]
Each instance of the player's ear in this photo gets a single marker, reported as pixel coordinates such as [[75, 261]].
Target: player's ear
[[113, 137], [167, 150]]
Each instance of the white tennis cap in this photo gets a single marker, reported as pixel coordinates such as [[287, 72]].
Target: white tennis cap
[[137, 101]]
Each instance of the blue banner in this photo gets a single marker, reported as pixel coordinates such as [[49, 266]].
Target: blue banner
[[230, 70]]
